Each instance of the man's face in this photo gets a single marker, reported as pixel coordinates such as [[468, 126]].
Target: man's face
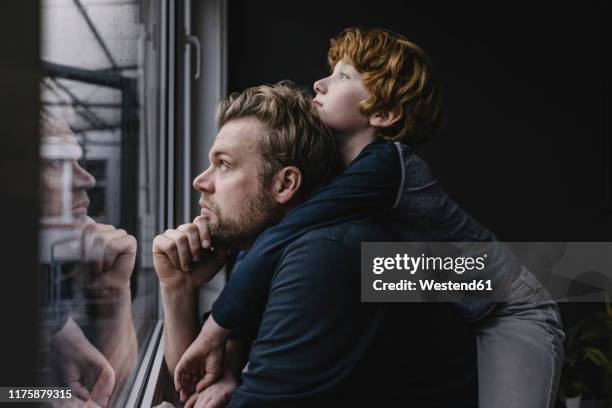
[[52, 184], [234, 198], [338, 97]]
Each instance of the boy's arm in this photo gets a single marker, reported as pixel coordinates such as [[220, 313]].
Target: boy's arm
[[370, 184]]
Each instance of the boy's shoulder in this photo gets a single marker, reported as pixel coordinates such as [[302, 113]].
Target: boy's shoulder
[[416, 173]]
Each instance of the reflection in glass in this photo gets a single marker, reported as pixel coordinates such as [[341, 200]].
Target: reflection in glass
[[86, 269], [98, 296]]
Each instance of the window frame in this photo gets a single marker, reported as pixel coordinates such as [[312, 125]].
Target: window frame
[[180, 157]]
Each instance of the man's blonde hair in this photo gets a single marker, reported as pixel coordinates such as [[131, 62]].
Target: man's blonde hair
[[398, 73], [294, 134]]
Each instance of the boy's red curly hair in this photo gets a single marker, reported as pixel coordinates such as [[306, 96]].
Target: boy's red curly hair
[[398, 73]]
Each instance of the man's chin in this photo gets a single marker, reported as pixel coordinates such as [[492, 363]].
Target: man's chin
[[226, 238], [80, 212]]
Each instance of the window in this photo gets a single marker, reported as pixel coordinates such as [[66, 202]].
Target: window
[[121, 79], [102, 162]]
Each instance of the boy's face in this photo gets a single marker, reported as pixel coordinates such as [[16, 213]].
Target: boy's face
[[338, 97]]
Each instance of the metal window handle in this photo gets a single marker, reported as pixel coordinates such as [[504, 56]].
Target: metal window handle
[[195, 42]]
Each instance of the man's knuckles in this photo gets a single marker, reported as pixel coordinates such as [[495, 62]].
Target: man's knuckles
[[188, 228]]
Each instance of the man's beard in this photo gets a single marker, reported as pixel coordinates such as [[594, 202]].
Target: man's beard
[[255, 215]]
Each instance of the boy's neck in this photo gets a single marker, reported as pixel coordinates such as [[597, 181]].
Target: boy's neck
[[350, 145]]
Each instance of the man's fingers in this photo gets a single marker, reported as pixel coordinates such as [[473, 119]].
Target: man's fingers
[[103, 388], [79, 390], [178, 377], [182, 247], [186, 386], [191, 401], [92, 243], [202, 223], [208, 379], [104, 244], [118, 243], [193, 236], [183, 395], [162, 245], [105, 381]]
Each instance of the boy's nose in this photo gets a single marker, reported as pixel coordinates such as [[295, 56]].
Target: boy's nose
[[203, 181], [319, 86]]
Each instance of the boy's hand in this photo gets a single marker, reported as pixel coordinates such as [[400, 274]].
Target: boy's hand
[[183, 256], [202, 362], [218, 395]]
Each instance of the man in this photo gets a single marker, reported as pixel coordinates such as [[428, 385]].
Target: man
[[103, 260], [315, 342]]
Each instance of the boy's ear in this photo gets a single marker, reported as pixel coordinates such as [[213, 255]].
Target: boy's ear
[[287, 183], [386, 118]]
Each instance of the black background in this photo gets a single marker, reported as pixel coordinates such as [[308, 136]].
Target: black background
[[19, 79], [522, 148]]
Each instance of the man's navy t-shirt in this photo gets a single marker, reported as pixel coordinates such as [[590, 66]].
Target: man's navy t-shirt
[[318, 345]]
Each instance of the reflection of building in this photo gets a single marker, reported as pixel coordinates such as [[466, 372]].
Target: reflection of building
[[90, 59], [102, 159]]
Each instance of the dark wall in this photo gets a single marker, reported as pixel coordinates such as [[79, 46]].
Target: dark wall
[[522, 145], [19, 79]]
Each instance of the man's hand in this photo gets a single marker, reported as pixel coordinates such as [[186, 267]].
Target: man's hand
[[111, 253], [217, 395], [81, 366], [183, 256], [203, 362]]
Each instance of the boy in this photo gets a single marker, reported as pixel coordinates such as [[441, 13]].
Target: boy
[[380, 98]]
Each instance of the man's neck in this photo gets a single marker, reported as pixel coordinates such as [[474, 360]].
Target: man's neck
[[350, 145], [280, 213]]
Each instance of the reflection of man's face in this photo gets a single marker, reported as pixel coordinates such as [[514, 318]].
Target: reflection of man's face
[[234, 198], [52, 182]]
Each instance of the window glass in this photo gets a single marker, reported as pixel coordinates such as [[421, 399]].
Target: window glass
[[97, 292]]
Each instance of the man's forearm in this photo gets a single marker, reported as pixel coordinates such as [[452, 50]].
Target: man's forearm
[[114, 333], [181, 323]]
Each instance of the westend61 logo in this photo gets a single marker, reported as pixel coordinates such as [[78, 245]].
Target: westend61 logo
[[405, 262]]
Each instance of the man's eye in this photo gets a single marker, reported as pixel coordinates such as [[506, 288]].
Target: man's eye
[[223, 165], [53, 165], [343, 76]]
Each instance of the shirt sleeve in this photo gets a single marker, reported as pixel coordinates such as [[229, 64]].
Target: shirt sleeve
[[307, 349], [369, 185]]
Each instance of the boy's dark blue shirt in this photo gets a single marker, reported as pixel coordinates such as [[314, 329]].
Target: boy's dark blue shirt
[[386, 179]]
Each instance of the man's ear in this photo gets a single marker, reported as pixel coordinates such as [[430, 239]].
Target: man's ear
[[287, 183], [386, 118]]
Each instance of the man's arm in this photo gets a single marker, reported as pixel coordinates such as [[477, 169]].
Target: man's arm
[[182, 266], [181, 324], [314, 329], [110, 254]]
